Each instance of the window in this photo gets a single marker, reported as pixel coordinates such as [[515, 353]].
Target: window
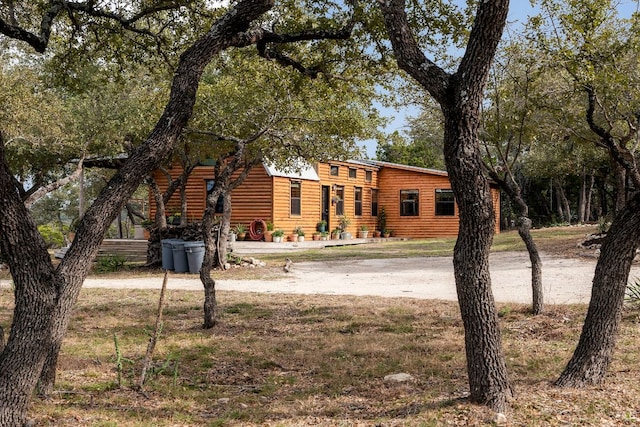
[[445, 203], [339, 200], [357, 201], [374, 202], [368, 176], [353, 173], [295, 198], [220, 204], [409, 202], [334, 170]]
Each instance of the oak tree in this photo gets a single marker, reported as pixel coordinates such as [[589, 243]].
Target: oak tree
[[459, 94]]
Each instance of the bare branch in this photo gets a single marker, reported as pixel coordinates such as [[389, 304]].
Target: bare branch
[[42, 191]]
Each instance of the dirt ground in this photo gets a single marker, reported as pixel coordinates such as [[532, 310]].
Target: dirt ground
[[566, 280]]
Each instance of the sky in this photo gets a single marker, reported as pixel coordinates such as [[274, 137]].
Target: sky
[[519, 11]]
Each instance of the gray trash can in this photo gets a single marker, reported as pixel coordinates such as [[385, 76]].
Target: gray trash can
[[180, 264], [167, 253], [195, 255]]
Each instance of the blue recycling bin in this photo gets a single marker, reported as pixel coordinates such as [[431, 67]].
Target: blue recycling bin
[[180, 264], [167, 253], [195, 255]]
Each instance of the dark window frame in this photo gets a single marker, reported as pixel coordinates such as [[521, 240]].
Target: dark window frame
[[445, 207], [374, 201], [334, 168], [353, 173], [368, 176], [339, 200], [295, 201], [357, 201], [410, 202]]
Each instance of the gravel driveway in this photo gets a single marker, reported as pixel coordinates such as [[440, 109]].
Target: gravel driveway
[[565, 280]]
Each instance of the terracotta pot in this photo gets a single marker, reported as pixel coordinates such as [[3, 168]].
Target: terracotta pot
[[268, 236]]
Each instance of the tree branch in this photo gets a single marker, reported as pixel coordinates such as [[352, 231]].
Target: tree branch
[[42, 191]]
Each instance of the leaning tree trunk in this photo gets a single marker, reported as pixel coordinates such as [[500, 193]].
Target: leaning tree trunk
[[537, 300], [512, 189], [36, 287], [43, 296], [593, 354]]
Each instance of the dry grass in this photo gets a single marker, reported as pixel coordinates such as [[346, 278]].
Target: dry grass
[[284, 360]]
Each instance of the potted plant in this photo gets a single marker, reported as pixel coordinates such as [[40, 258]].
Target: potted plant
[[174, 219], [316, 235], [277, 236], [241, 231], [344, 223], [363, 233], [268, 233], [376, 233], [382, 220], [300, 232], [386, 233], [335, 234], [321, 226], [324, 235]]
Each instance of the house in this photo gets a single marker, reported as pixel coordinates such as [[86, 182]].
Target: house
[[418, 202]]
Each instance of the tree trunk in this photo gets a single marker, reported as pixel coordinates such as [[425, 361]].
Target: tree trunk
[[36, 289], [564, 210], [587, 208], [509, 185], [593, 354], [460, 96], [486, 367], [524, 230], [225, 226], [210, 249], [582, 200], [161, 212], [620, 177], [44, 296]]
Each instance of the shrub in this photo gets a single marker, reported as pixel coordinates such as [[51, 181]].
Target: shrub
[[632, 294], [110, 263], [52, 236]]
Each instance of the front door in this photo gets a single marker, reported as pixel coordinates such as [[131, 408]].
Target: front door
[[326, 204]]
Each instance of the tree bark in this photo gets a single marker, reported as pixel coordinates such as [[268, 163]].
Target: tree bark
[[210, 248], [44, 296], [459, 96], [587, 208], [620, 177], [593, 354], [36, 289], [509, 185], [524, 230], [582, 199]]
